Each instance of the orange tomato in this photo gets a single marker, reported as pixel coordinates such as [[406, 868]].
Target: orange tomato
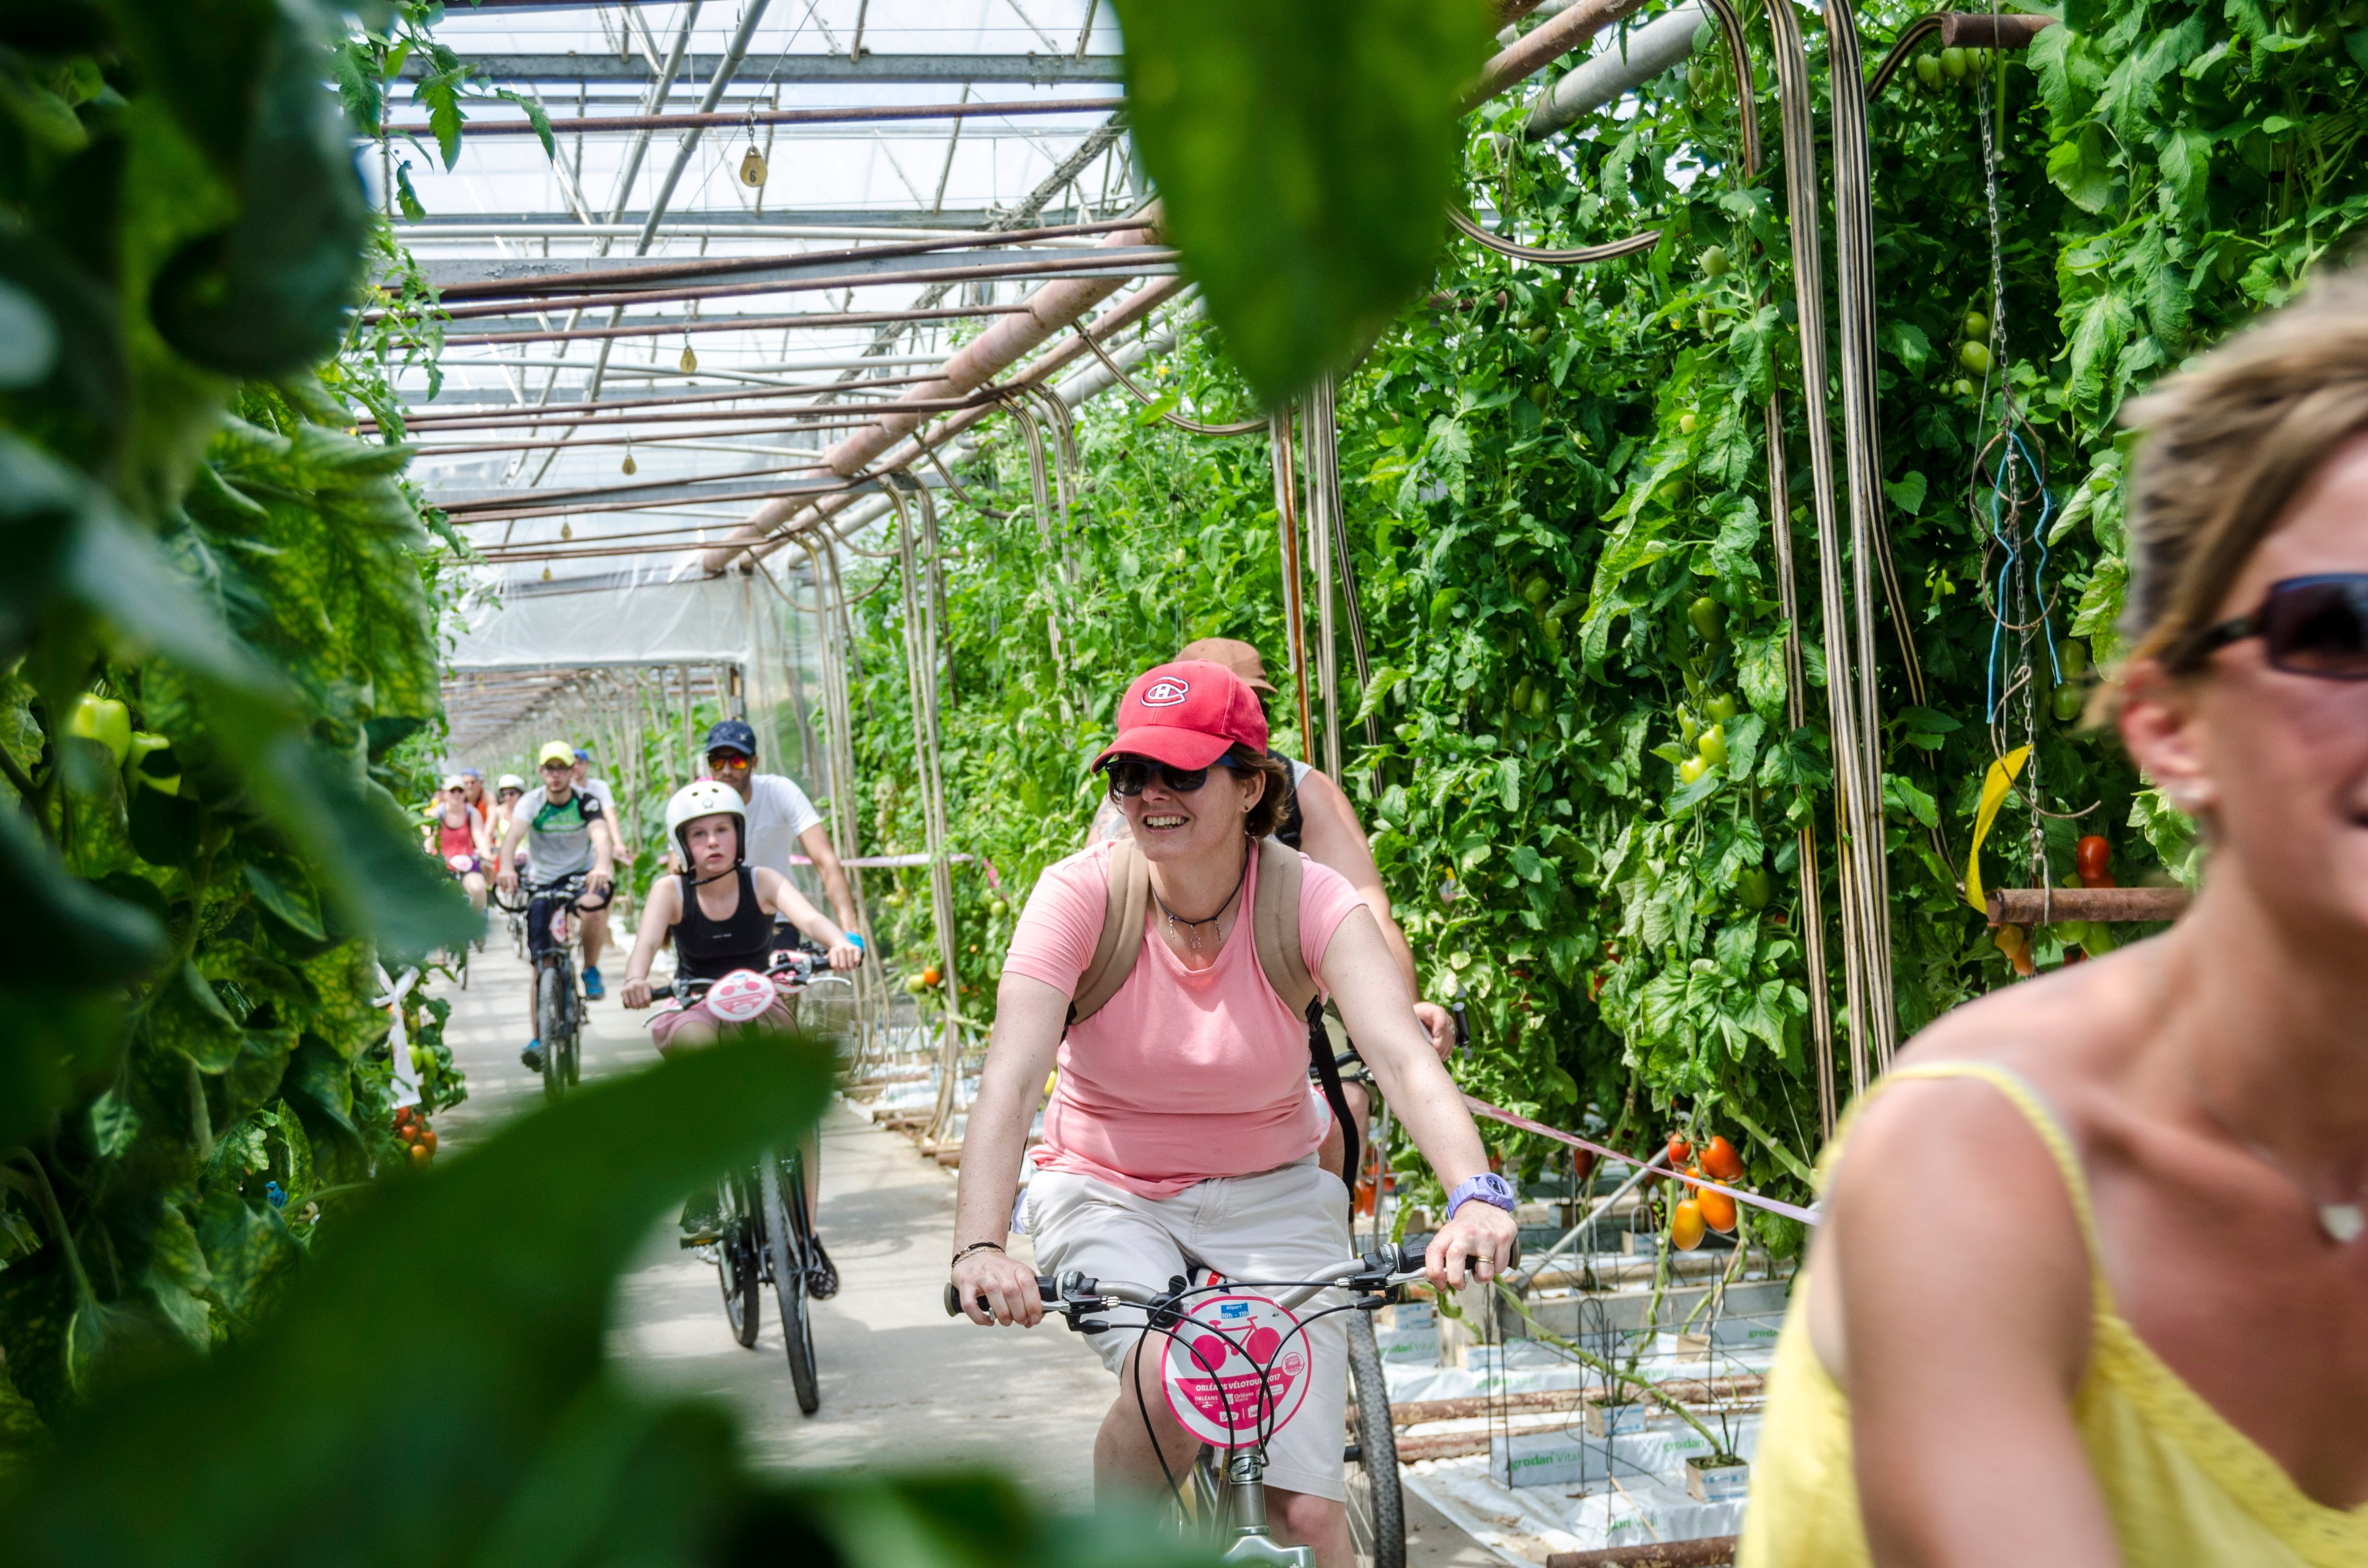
[[1686, 1225], [1717, 1207], [930, 976], [428, 1140], [1719, 1158], [419, 1155]]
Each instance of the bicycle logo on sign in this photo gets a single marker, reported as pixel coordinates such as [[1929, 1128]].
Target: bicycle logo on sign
[[1236, 1370]]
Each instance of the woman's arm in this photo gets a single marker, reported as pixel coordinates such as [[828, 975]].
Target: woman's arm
[[660, 911], [1365, 982], [1029, 1017], [1961, 1282], [781, 896]]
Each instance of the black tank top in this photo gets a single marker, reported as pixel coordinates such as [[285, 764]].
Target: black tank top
[[710, 949], [1293, 821]]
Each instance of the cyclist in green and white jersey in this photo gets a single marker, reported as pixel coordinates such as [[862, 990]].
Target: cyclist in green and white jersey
[[573, 836]]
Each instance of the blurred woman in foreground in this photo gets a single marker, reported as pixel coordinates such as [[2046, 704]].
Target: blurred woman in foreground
[[2092, 1286]]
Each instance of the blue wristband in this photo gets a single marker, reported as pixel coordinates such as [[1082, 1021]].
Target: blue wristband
[[856, 938]]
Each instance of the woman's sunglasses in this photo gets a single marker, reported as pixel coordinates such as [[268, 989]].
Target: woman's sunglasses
[[2309, 626], [1129, 776]]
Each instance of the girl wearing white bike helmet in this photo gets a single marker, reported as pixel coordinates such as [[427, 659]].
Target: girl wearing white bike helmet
[[718, 913]]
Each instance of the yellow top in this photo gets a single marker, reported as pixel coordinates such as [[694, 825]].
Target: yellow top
[[2184, 1487]]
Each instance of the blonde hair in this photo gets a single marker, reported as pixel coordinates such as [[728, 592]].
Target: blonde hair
[[2228, 447]]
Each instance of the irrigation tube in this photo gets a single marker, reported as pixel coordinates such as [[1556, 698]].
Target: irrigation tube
[[921, 668], [1586, 1222]]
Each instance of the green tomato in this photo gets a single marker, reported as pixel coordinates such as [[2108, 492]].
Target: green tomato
[[1953, 63], [998, 908], [1754, 887], [1708, 618], [1522, 691], [1687, 728], [1713, 262], [915, 986], [1691, 769], [1686, 423], [2073, 655], [1928, 71], [2097, 940], [1722, 708], [2067, 702], [1712, 745], [1976, 328], [1962, 387], [1536, 590], [104, 720], [138, 770], [1540, 393], [1538, 334], [1974, 356], [1540, 708]]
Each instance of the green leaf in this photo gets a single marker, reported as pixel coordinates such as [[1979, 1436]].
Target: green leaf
[[2081, 168], [2104, 325], [1907, 493], [1304, 155]]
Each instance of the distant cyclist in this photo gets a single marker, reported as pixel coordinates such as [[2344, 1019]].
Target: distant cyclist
[[474, 784], [462, 841], [571, 837], [1181, 1135], [778, 815], [506, 798], [599, 789]]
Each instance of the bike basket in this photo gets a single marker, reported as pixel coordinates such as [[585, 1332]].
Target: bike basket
[[1234, 1371]]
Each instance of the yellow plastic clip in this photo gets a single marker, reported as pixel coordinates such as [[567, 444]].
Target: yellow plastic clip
[[2002, 775]]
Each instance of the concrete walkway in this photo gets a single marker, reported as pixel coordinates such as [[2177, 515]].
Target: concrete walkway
[[901, 1384]]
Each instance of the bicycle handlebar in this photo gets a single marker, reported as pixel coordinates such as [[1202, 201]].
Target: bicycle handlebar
[[1074, 1292], [794, 960]]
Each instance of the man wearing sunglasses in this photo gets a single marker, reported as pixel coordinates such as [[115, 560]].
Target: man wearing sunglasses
[[778, 815]]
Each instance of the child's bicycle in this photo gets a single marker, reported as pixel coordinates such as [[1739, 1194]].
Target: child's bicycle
[[1222, 1497], [765, 1234]]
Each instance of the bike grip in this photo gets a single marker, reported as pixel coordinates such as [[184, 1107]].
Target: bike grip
[[954, 1301]]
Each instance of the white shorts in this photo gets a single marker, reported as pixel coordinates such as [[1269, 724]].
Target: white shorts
[[1279, 1225]]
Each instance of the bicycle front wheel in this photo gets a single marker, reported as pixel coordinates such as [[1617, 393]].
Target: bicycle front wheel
[[740, 1259], [552, 1022], [1376, 1511], [787, 1228]]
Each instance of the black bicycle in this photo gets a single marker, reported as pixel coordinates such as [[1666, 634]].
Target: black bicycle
[[559, 996], [1222, 1499], [765, 1233]]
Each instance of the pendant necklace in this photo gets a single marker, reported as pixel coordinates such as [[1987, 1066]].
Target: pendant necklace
[[2341, 1222], [1174, 919]]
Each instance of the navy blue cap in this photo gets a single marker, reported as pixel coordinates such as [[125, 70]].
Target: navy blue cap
[[582, 756], [733, 734]]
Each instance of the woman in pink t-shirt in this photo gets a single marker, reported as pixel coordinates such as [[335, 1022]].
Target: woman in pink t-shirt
[[1182, 1134]]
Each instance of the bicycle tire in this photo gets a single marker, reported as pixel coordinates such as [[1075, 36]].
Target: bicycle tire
[[550, 1023], [785, 1215], [740, 1261], [1376, 1510], [574, 1062]]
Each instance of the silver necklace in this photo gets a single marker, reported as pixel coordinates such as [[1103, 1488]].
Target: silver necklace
[[2344, 1222], [2341, 1222], [1174, 919]]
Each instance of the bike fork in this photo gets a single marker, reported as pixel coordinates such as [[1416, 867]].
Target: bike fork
[[1252, 1541]]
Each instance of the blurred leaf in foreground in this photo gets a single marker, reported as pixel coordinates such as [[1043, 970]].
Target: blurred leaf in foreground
[[1303, 155], [434, 1389]]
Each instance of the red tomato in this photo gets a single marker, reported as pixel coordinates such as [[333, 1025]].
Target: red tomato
[[1582, 1165], [1679, 1151], [1717, 1207], [427, 1139], [2094, 859], [1719, 1158]]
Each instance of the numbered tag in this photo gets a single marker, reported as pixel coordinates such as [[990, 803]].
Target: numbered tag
[[741, 996], [1235, 1371]]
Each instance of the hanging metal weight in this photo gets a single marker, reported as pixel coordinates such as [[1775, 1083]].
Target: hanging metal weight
[[752, 167]]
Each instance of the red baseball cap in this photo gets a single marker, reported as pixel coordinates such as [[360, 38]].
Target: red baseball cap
[[1186, 714]]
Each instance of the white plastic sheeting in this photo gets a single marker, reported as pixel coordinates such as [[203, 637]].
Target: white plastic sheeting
[[616, 619]]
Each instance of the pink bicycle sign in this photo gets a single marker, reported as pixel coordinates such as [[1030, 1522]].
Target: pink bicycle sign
[[1235, 1371]]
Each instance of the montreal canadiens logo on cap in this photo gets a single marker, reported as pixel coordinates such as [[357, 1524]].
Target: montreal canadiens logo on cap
[[1167, 692]]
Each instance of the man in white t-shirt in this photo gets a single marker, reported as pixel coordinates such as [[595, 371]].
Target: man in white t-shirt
[[779, 816]]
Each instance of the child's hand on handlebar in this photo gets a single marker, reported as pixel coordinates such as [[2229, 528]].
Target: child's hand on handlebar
[[1481, 1232], [637, 991], [1008, 1286]]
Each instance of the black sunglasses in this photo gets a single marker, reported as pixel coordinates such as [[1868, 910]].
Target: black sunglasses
[[2309, 626], [1129, 776]]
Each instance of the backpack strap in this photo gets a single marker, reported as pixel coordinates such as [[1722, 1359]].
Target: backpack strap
[[1120, 942], [1274, 921]]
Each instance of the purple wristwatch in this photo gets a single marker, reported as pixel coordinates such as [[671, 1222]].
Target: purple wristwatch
[[1489, 1187]]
